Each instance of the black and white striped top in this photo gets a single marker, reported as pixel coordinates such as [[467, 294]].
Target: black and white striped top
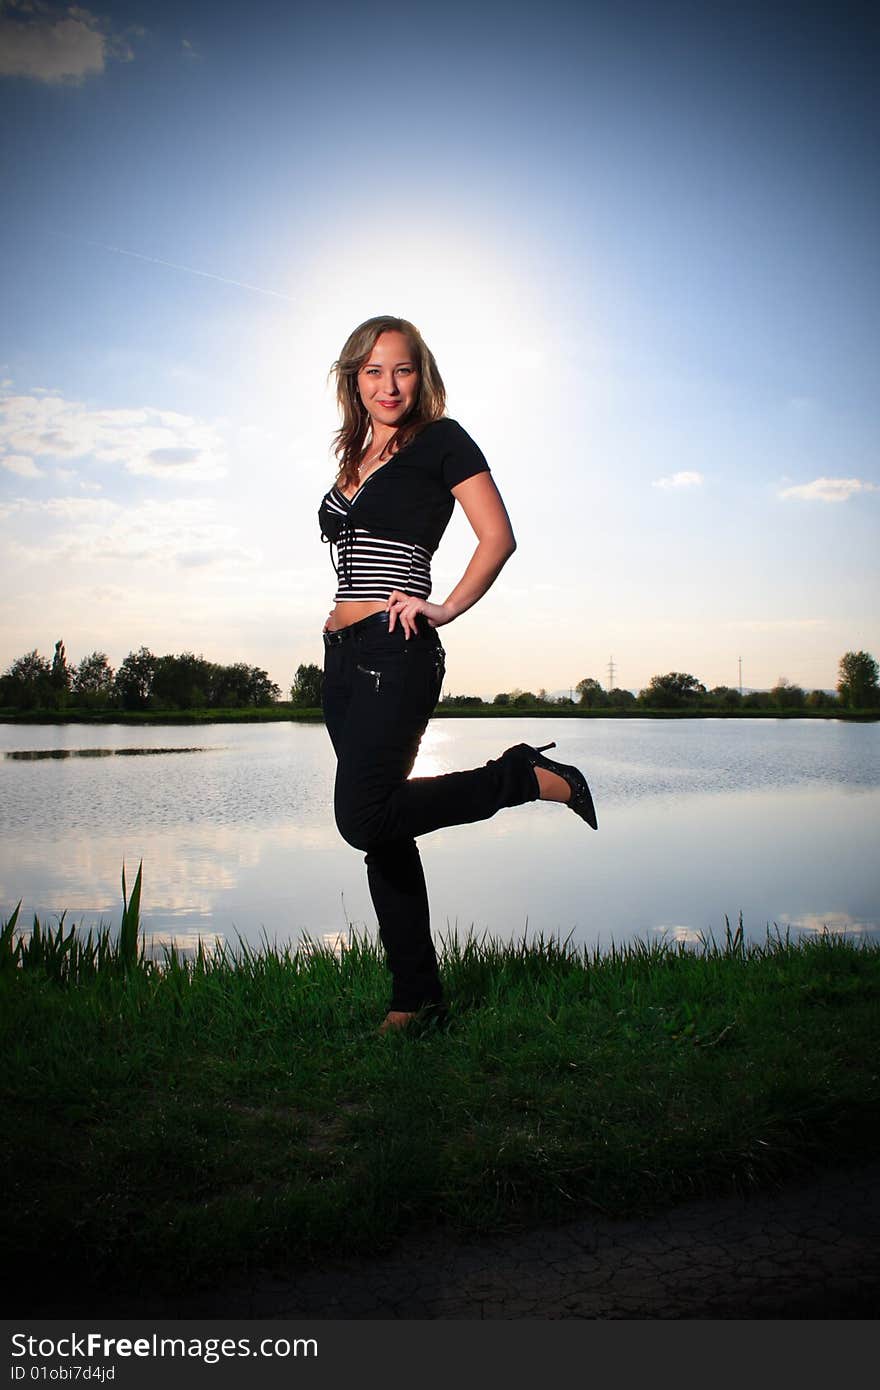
[[385, 535], [370, 566]]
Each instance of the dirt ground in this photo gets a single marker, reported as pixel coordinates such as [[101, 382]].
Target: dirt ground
[[811, 1251]]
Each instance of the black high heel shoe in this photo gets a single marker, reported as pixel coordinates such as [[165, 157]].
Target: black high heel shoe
[[581, 801]]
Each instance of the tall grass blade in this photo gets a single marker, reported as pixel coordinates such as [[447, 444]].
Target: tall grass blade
[[128, 931], [10, 949]]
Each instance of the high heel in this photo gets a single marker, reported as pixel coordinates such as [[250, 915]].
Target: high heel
[[581, 801]]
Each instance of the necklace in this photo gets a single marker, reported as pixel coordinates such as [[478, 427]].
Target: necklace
[[365, 463]]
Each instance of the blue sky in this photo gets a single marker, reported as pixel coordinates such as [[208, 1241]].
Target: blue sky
[[639, 238]]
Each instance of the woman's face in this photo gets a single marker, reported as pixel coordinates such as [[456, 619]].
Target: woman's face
[[389, 380]]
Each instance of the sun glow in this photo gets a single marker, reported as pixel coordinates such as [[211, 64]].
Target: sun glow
[[432, 760], [469, 301]]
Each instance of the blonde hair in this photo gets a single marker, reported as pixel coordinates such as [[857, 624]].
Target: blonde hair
[[429, 405]]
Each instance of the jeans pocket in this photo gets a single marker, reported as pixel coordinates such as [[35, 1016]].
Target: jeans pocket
[[372, 674], [439, 670], [384, 667], [414, 672]]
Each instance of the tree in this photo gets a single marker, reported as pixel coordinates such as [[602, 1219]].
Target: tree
[[92, 681], [239, 686], [787, 696], [27, 683], [305, 693], [230, 686], [820, 699], [181, 682], [60, 676], [725, 697], [671, 691], [857, 680], [756, 699], [592, 696], [502, 698], [262, 690], [133, 682], [620, 699]]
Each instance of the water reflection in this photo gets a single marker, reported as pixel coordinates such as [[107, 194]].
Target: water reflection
[[832, 923], [333, 941], [699, 821], [35, 754], [689, 936], [159, 944]]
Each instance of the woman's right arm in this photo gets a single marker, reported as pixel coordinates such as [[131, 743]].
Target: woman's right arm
[[487, 514]]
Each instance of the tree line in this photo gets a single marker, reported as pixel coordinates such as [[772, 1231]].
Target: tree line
[[857, 691], [189, 682], [142, 682]]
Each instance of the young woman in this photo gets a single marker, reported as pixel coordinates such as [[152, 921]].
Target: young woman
[[403, 465]]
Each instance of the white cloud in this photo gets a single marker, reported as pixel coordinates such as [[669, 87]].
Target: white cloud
[[158, 443], [75, 509], [94, 530], [829, 489], [166, 462], [51, 43], [22, 465], [677, 480]]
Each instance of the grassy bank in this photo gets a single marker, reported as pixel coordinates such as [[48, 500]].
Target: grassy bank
[[282, 712], [168, 1124], [562, 712], [270, 714]]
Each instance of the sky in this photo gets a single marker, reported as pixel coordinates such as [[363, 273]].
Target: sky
[[641, 240]]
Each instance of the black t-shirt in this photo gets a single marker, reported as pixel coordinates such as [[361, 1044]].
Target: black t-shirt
[[409, 498]]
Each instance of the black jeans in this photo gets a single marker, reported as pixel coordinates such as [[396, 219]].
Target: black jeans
[[380, 689]]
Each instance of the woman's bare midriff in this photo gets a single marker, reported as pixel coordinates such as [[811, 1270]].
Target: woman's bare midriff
[[344, 614]]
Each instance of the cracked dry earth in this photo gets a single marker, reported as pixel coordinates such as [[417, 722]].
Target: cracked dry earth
[[811, 1250]]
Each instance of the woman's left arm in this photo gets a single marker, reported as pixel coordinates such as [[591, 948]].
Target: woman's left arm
[[484, 509]]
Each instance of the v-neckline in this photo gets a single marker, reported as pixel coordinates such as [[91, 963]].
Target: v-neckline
[[356, 494], [349, 501]]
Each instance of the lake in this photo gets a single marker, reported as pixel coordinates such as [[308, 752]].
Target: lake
[[698, 819]]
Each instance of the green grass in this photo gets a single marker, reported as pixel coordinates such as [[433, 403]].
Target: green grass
[[268, 714], [285, 712], [169, 1123]]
